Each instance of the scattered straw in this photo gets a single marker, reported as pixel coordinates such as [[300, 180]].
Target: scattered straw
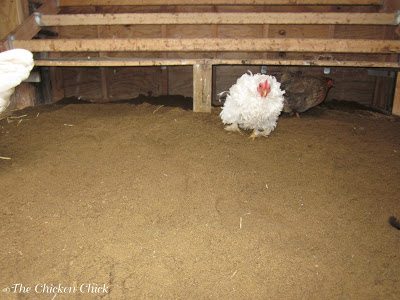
[[5, 158], [158, 108], [17, 117]]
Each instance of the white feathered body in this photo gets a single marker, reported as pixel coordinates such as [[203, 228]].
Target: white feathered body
[[248, 109], [15, 66]]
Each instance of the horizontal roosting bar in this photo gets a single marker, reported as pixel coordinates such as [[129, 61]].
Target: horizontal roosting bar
[[217, 2], [211, 44], [219, 18]]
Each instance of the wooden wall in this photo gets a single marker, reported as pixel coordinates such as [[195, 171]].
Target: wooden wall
[[109, 84], [12, 13]]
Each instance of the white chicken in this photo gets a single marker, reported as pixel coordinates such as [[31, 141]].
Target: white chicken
[[253, 102], [15, 66]]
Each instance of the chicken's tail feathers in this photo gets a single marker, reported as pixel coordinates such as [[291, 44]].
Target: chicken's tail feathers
[[250, 73]]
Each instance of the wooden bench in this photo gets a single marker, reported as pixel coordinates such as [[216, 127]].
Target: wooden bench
[[48, 16]]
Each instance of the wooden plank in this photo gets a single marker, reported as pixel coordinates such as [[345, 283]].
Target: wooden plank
[[29, 28], [10, 17], [56, 88], [181, 62], [218, 2], [114, 62], [295, 62], [24, 96], [396, 99], [219, 18], [212, 44], [180, 80], [202, 84]]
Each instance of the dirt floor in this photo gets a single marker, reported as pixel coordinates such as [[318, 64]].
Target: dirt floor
[[150, 201]]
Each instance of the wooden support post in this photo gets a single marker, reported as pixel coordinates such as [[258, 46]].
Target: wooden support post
[[396, 100], [202, 84]]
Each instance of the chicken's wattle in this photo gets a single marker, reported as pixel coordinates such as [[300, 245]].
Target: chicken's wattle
[[264, 88]]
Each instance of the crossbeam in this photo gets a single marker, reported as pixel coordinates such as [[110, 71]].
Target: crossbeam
[[212, 44], [114, 62], [29, 28], [219, 18], [218, 2], [127, 62]]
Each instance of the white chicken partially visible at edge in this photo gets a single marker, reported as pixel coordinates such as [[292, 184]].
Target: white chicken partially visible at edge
[[254, 102], [15, 67]]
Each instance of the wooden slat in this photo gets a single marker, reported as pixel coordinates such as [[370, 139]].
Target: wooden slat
[[212, 44], [180, 62], [218, 2], [322, 63], [112, 62], [202, 85], [29, 28], [396, 99], [11, 15], [220, 18]]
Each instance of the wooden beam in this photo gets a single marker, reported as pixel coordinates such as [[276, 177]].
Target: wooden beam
[[212, 44], [219, 18], [309, 63], [11, 15], [396, 99], [29, 28], [218, 2], [202, 85], [123, 62], [114, 62]]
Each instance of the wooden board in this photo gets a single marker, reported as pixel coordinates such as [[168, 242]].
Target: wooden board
[[128, 83], [219, 18], [202, 84], [10, 16], [180, 80], [396, 100], [218, 2], [212, 44], [115, 62], [29, 27]]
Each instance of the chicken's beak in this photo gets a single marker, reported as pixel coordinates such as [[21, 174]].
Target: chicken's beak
[[264, 93]]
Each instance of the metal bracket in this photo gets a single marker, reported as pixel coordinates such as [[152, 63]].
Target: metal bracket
[[264, 70], [38, 18], [33, 77]]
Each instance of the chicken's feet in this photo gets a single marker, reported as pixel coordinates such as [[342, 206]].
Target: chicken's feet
[[256, 133], [234, 127]]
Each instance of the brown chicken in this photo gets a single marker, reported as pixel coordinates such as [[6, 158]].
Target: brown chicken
[[303, 92]]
